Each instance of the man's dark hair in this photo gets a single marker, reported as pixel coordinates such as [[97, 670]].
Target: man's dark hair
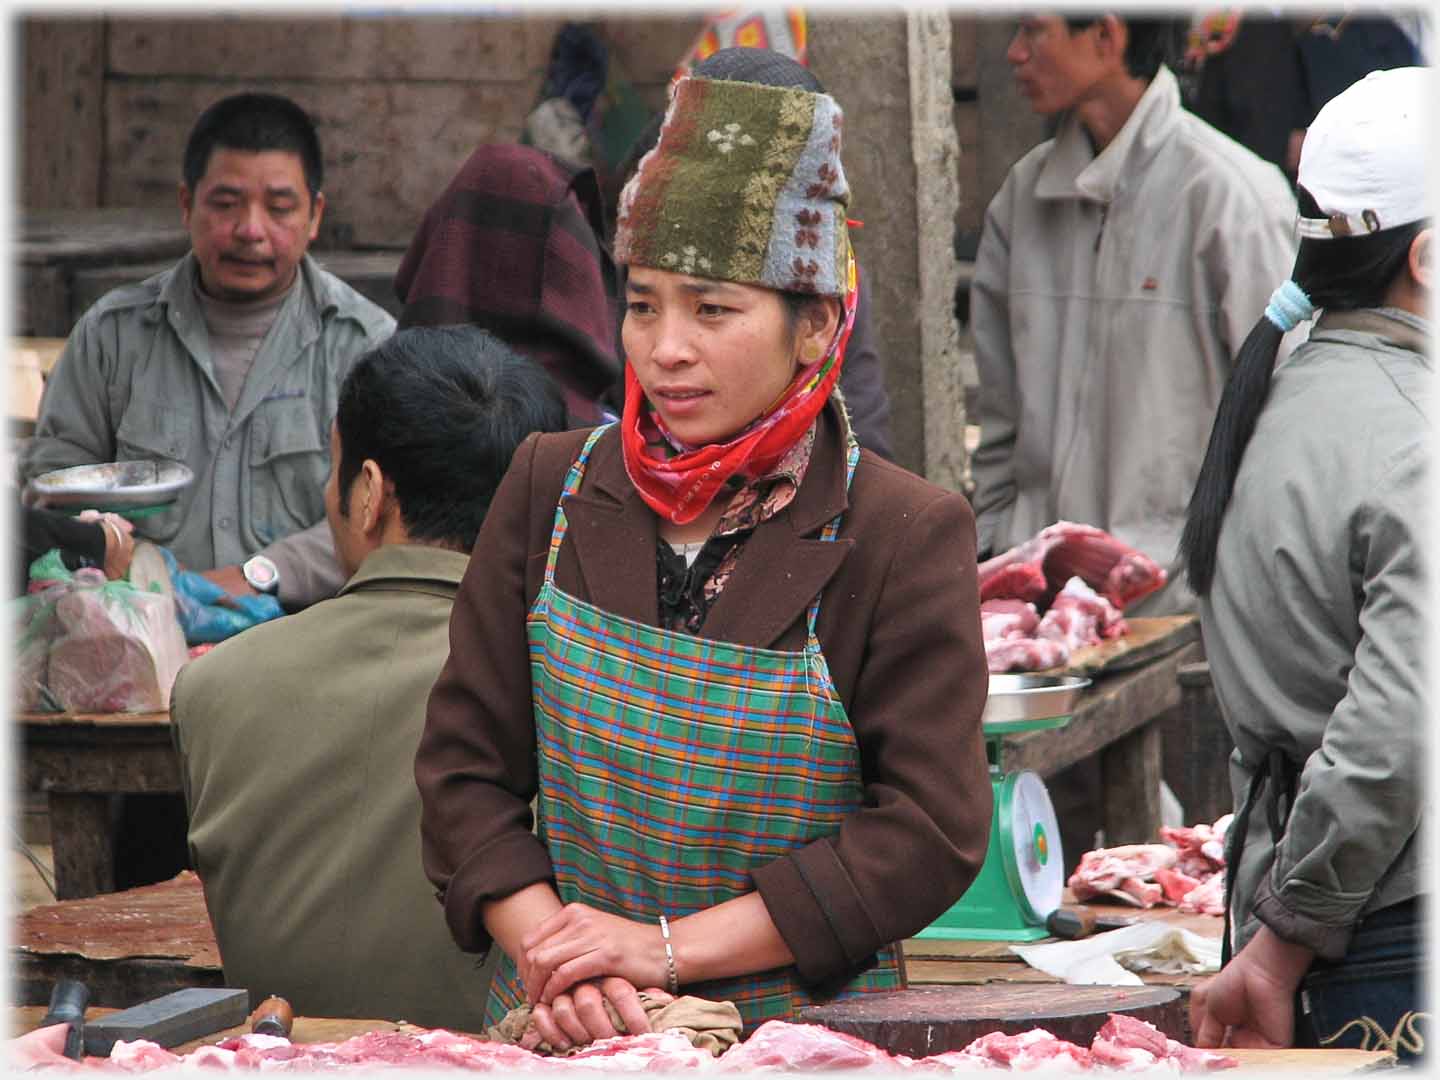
[[1150, 41], [441, 410], [254, 123]]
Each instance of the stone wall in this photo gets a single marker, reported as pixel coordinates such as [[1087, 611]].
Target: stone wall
[[399, 102]]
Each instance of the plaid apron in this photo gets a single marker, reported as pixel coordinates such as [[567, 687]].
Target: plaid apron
[[670, 765]]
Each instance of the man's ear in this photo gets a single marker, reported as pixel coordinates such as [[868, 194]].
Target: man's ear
[[370, 493], [317, 211], [1111, 38], [1422, 257], [186, 202]]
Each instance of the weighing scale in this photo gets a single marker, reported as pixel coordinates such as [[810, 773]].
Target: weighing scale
[[1023, 875]]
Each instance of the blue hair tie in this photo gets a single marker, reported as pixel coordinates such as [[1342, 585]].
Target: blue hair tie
[[1289, 307]]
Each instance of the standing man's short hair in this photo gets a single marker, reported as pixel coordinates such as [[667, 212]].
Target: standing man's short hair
[[255, 123], [441, 410], [1150, 42]]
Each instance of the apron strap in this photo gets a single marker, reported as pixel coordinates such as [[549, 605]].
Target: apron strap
[[831, 530], [1276, 773], [572, 485]]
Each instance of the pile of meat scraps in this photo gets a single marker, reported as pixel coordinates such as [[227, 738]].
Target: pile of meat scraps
[[1081, 578], [1187, 870], [1124, 1043]]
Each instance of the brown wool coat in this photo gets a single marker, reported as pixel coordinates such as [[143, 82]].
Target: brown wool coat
[[900, 629]]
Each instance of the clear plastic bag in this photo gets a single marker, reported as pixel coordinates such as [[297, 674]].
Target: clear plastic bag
[[87, 644]]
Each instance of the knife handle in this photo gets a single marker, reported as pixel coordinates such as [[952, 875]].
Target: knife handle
[[273, 1016], [1070, 923], [68, 1001]]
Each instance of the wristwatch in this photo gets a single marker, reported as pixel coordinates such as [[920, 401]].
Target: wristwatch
[[261, 574]]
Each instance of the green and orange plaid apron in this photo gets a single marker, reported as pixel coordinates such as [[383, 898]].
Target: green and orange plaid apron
[[670, 765]]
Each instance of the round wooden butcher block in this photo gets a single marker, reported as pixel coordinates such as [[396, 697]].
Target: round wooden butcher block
[[936, 1019]]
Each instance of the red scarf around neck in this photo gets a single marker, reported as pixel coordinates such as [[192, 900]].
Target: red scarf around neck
[[679, 488]]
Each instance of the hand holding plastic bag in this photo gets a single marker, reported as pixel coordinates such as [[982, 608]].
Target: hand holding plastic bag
[[208, 613]]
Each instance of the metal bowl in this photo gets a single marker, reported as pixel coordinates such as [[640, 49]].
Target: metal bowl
[[1023, 702], [114, 484]]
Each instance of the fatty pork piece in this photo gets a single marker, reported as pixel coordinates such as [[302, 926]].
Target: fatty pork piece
[[1079, 616], [1129, 1043], [1201, 847], [1037, 569], [1207, 898], [1008, 627], [1123, 873], [118, 650]]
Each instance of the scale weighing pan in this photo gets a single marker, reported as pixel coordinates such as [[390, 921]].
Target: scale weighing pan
[[1030, 702], [115, 485]]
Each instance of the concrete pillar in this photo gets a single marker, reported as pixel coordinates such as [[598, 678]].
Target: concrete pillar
[[891, 74]]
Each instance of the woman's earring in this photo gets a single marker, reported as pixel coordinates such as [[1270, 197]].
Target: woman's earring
[[811, 352]]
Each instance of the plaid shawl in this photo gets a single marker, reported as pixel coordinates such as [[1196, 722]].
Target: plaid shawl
[[513, 246]]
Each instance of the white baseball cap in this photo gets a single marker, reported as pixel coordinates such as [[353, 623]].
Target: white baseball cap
[[1363, 159]]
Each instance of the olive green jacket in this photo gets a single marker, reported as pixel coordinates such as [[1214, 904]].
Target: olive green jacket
[[297, 740], [136, 381]]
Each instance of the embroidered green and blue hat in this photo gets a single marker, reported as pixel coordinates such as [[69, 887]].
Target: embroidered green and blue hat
[[745, 185]]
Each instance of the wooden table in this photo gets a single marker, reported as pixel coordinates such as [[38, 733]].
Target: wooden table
[[79, 761], [1134, 684]]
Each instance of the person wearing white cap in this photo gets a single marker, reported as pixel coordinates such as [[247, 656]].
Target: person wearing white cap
[[1308, 543]]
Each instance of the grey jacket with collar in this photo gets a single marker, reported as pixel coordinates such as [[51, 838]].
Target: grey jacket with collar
[[136, 381], [1111, 293], [1316, 627]]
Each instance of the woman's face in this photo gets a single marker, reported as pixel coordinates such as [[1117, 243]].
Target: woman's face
[[711, 356]]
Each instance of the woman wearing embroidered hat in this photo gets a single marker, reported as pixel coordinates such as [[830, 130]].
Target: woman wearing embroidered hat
[[1308, 542], [749, 710]]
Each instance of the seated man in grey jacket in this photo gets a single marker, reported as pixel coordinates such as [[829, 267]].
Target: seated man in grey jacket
[[229, 362], [297, 738]]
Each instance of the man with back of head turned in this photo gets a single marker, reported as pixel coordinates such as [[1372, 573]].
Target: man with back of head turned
[[297, 738]]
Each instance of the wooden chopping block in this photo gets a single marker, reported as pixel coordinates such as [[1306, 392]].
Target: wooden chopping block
[[936, 1019]]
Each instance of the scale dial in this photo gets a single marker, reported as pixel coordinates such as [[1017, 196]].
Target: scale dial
[[1030, 844]]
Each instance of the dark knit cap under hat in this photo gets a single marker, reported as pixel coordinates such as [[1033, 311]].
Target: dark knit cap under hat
[[744, 63], [745, 185]]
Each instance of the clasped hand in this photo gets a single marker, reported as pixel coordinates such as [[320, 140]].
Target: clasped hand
[[579, 958]]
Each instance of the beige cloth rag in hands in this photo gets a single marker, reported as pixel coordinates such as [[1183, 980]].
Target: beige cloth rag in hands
[[709, 1025]]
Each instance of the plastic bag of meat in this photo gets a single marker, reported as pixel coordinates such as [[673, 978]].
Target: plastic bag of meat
[[111, 647]]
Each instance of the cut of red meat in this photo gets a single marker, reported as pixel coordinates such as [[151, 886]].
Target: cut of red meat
[[1031, 1049], [1174, 883], [1079, 617], [1024, 654], [1038, 568], [1124, 1042], [1130, 1037], [776, 1045], [1207, 898], [1007, 618], [1122, 872]]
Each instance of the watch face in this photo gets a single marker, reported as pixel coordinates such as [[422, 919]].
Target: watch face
[[261, 573]]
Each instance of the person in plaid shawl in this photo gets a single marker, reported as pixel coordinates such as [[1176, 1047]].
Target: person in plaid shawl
[[733, 658]]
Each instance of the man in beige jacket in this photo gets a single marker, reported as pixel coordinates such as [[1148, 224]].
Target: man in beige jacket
[[297, 738], [1121, 265]]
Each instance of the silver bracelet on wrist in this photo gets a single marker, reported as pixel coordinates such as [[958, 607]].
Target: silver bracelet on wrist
[[673, 984]]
